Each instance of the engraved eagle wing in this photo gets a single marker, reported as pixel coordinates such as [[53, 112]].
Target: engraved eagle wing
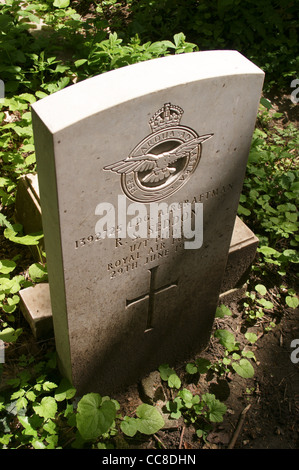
[[139, 163], [184, 149]]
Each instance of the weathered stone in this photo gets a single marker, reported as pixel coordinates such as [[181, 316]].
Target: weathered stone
[[36, 307], [151, 388]]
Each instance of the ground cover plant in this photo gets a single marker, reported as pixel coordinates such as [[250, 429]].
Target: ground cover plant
[[202, 398]]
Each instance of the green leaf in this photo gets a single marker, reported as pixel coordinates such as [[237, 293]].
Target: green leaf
[[129, 426], [4, 222], [203, 365], [174, 408], [243, 211], [243, 368], [251, 337], [29, 240], [265, 303], [94, 416], [266, 103], [47, 408], [38, 272], [38, 444], [65, 391], [248, 354], [226, 338], [261, 289], [41, 94], [61, 3], [165, 371], [10, 335], [27, 97], [174, 381], [47, 385], [30, 395], [150, 420], [80, 62], [7, 266], [222, 310], [187, 397], [216, 408], [292, 301], [26, 423], [191, 368], [267, 250]]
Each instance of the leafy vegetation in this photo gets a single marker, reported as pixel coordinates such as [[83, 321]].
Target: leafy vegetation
[[38, 409]]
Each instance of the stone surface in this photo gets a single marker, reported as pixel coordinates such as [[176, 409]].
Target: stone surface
[[28, 212], [36, 307], [241, 254], [122, 307]]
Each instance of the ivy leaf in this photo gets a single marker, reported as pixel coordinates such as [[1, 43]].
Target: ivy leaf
[[47, 408], [243, 368], [94, 416], [150, 419], [38, 444], [129, 426]]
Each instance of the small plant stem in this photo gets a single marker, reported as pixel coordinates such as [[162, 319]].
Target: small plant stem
[[239, 427]]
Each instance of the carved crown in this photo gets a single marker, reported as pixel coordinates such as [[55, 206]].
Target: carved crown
[[168, 116]]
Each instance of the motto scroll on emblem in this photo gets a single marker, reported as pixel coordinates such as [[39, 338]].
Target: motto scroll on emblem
[[163, 161]]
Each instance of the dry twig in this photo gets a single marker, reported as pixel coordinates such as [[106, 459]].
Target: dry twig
[[239, 427]]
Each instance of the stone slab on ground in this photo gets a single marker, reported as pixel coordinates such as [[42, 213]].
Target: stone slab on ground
[[36, 307]]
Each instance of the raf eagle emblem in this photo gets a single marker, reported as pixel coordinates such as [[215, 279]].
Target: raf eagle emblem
[[159, 166]]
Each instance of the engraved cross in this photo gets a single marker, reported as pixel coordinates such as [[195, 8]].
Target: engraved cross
[[153, 291]]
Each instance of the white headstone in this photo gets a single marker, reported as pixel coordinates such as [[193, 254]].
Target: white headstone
[[173, 131]]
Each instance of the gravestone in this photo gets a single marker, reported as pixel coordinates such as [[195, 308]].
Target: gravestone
[[131, 290]]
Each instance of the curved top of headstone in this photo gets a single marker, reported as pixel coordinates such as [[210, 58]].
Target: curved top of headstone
[[83, 99]]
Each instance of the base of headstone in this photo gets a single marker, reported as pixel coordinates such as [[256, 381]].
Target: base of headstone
[[36, 303], [232, 295]]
